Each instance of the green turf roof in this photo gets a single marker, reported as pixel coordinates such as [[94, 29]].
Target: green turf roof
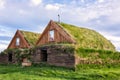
[[30, 37], [86, 38]]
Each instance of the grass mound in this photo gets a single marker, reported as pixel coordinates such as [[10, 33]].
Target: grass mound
[[93, 56], [87, 38]]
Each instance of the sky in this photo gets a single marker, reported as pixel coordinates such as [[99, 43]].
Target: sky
[[34, 15]]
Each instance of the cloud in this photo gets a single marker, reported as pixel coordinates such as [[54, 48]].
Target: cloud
[[117, 45], [100, 1], [4, 42], [5, 35], [52, 6], [114, 17], [2, 47], [2, 4], [114, 39], [82, 1], [35, 2], [77, 13], [4, 31], [22, 12]]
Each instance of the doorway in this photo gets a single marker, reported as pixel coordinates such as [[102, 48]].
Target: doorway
[[44, 55], [10, 57]]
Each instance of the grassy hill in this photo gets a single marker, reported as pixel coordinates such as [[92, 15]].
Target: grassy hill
[[86, 38]]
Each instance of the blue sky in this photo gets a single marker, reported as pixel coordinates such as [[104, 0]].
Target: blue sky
[[33, 15]]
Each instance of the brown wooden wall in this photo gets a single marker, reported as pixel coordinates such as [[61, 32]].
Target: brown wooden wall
[[23, 42], [60, 35]]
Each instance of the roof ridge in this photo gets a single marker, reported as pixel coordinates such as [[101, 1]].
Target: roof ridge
[[29, 31]]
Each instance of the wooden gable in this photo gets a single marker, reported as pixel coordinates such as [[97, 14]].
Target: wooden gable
[[60, 35], [22, 43]]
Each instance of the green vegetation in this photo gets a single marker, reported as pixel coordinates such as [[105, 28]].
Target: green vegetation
[[92, 56], [19, 53], [86, 38], [30, 37], [68, 48], [46, 72]]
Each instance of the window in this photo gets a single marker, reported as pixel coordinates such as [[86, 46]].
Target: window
[[17, 41], [51, 35]]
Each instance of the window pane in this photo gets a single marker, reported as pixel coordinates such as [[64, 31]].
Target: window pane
[[17, 41], [51, 37]]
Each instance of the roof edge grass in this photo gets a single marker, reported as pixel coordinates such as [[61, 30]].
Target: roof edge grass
[[30, 37]]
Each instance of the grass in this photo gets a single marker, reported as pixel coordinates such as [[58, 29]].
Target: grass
[[87, 38], [98, 56], [30, 37], [46, 72]]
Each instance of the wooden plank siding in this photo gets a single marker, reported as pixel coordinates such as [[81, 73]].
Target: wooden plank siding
[[60, 35], [23, 42]]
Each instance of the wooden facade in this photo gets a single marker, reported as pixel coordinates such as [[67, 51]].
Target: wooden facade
[[60, 35], [22, 41]]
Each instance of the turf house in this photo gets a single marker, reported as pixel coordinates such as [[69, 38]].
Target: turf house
[[20, 43], [62, 44]]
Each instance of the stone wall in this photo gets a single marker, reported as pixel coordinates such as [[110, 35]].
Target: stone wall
[[3, 58], [35, 57], [59, 55], [60, 58]]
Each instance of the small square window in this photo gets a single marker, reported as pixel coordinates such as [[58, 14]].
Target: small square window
[[51, 35], [17, 41]]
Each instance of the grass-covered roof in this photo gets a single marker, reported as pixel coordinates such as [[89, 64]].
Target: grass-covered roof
[[86, 38], [30, 37]]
